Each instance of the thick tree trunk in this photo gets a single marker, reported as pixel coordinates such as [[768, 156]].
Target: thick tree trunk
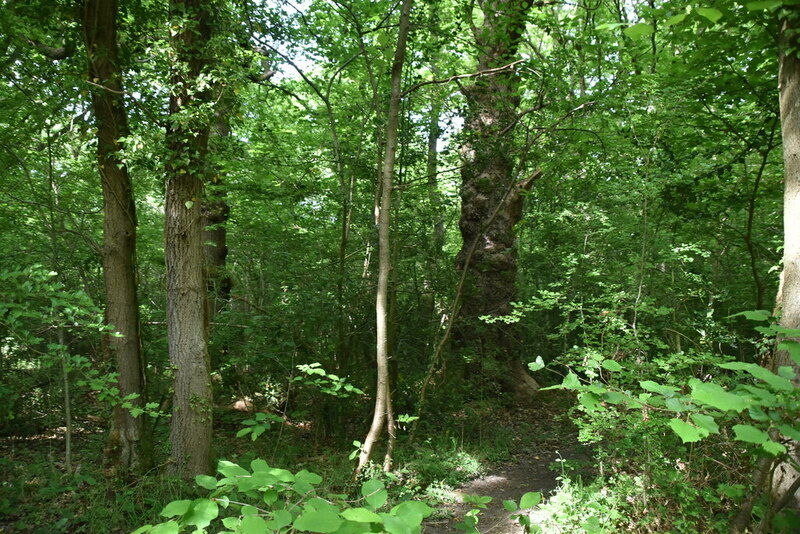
[[187, 306], [127, 445], [789, 82], [383, 417], [491, 202]]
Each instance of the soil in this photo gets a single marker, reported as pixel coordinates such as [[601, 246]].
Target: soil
[[545, 438]]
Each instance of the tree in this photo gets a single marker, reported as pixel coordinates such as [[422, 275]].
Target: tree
[[187, 303], [383, 415], [786, 478], [491, 195], [128, 447]]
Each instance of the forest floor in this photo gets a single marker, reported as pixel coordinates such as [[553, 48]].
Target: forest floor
[[545, 443]]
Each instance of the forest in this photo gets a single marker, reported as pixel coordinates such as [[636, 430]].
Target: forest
[[403, 266]]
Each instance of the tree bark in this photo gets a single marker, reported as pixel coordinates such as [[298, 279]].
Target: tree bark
[[187, 306], [785, 474], [128, 448], [489, 252], [383, 416]]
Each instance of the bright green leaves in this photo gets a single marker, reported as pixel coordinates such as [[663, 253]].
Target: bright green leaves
[[703, 426], [374, 493], [675, 19], [327, 383], [361, 515], [715, 396], [198, 513], [318, 516], [688, 433], [710, 13], [257, 426], [638, 30], [266, 500], [756, 436], [776, 382], [530, 499]]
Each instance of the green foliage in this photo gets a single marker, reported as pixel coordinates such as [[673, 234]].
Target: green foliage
[[266, 499], [260, 423], [330, 384]]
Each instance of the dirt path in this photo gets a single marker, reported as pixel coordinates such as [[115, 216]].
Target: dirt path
[[551, 440]]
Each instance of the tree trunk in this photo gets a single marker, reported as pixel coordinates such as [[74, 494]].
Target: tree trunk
[[789, 83], [384, 415], [187, 306], [491, 202], [127, 444], [215, 218]]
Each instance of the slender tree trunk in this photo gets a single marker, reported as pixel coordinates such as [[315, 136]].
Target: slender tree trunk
[[383, 416], [128, 447], [489, 252], [785, 474], [215, 218], [187, 305]]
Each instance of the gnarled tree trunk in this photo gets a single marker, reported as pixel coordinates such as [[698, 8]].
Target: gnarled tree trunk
[[491, 201]]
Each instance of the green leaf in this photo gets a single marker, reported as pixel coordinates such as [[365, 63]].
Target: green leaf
[[590, 401], [188, 204], [176, 508], [280, 519], [230, 469], [259, 465], [530, 499], [614, 397], [253, 524], [766, 4], [777, 382], [667, 391], [361, 515], [313, 520], [205, 481], [752, 315], [510, 506], [395, 525], [201, 513], [685, 431], [571, 381], [412, 512], [713, 15], [705, 422], [674, 404], [611, 365], [638, 30], [773, 448], [790, 432], [142, 530], [536, 365], [714, 395], [793, 347], [170, 527], [677, 19], [750, 434], [374, 493]]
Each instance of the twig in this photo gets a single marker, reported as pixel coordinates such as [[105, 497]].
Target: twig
[[487, 72]]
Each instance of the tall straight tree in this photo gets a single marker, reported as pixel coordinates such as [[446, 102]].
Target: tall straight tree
[[187, 302], [786, 479], [383, 416], [490, 193], [127, 445]]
